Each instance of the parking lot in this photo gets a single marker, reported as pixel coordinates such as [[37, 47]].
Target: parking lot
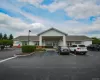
[[6, 53], [52, 66]]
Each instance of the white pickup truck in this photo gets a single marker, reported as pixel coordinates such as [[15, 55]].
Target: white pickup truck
[[78, 48]]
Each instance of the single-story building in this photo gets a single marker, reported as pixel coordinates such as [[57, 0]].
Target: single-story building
[[52, 37]]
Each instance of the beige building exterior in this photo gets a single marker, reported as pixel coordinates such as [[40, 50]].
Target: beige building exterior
[[52, 37]]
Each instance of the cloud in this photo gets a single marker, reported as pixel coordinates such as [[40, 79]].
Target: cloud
[[11, 23], [83, 10], [39, 24], [86, 29], [54, 6], [78, 9], [71, 27], [17, 25], [34, 2]]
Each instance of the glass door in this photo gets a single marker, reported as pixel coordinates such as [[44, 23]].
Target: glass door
[[55, 44], [48, 43]]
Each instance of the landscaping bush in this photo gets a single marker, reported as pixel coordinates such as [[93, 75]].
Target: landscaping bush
[[28, 49], [6, 42]]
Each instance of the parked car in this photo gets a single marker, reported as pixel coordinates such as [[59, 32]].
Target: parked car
[[63, 50], [78, 48], [94, 47]]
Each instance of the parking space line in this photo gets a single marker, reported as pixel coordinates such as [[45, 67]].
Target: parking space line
[[7, 59], [73, 54], [89, 55]]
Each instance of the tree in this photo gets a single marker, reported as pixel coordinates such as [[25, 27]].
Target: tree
[[7, 42], [1, 42], [10, 42], [10, 37], [5, 36], [95, 40], [1, 36]]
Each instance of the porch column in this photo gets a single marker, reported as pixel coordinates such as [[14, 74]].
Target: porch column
[[64, 40], [40, 40]]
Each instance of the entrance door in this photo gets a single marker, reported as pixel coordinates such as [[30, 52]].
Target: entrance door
[[48, 43], [55, 44], [52, 43]]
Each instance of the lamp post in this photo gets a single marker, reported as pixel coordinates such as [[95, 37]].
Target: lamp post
[[28, 36]]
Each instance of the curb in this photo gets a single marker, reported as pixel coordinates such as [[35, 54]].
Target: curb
[[40, 51], [23, 55]]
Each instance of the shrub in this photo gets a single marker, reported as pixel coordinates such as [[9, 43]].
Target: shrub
[[28, 49], [95, 40], [1, 42], [6, 42]]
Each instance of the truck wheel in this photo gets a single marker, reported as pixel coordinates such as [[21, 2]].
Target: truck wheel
[[68, 53], [60, 53], [74, 51], [84, 53]]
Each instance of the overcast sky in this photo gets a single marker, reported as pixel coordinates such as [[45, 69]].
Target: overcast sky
[[75, 17]]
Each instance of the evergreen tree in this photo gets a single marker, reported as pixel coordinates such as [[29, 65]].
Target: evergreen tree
[[10, 36], [1, 36], [5, 36]]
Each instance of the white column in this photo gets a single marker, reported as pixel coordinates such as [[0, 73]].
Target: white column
[[44, 42], [40, 40], [64, 40]]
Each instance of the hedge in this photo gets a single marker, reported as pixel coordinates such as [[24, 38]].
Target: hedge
[[96, 41], [6, 42], [28, 48]]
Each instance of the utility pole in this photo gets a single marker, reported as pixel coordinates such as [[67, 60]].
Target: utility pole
[[28, 36]]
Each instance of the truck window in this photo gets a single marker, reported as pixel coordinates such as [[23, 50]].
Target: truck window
[[81, 45], [74, 46]]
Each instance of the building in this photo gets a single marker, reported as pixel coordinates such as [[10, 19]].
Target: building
[[52, 37]]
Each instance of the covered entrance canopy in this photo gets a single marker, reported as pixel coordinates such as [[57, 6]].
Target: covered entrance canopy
[[52, 37], [51, 40]]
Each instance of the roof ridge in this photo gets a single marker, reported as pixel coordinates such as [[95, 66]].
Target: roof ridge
[[51, 29]]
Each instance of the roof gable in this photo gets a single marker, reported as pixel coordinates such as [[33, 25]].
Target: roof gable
[[52, 29]]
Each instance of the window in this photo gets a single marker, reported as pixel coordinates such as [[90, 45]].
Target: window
[[74, 46], [24, 43], [81, 45], [69, 44], [77, 42], [37, 43]]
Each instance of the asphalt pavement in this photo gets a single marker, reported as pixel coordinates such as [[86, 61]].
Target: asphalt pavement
[[9, 53], [52, 66]]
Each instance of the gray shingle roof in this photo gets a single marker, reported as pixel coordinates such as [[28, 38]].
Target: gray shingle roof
[[25, 38], [52, 29], [68, 38], [77, 38]]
